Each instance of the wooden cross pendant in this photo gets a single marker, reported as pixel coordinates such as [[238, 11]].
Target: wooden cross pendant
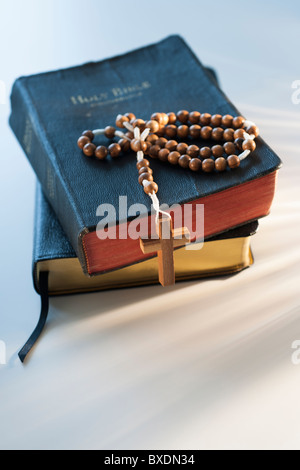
[[168, 240]]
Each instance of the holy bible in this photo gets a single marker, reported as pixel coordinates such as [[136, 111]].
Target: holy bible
[[50, 111]]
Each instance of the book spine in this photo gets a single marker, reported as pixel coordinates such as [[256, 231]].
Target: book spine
[[36, 239], [32, 136]]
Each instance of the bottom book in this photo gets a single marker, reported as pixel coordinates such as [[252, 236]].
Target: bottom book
[[226, 254]]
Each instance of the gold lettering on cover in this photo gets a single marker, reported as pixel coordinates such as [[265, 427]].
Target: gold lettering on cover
[[117, 91], [130, 89], [79, 99], [115, 94], [27, 138], [117, 100]]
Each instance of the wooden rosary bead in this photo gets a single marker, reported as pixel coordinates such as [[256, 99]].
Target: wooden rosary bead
[[125, 145], [216, 120], [171, 131], [165, 119], [120, 120], [138, 145], [229, 148], [142, 163], [205, 119], [233, 161], [161, 142], [101, 152], [249, 144], [239, 143], [217, 150], [161, 132], [205, 152], [252, 130], [206, 132], [238, 122], [239, 134], [140, 123], [183, 116], [89, 134], [151, 188], [227, 120], [228, 135], [217, 133], [195, 131], [193, 151], [89, 149], [145, 176], [171, 145], [154, 150], [109, 132], [149, 145], [221, 164], [173, 157], [172, 118], [208, 165], [145, 169], [153, 126], [184, 161], [194, 117], [130, 116], [82, 141], [152, 138], [130, 135], [182, 132], [114, 150], [182, 148], [163, 154], [157, 117], [143, 145], [195, 164]]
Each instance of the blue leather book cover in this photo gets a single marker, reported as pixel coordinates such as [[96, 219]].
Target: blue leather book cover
[[50, 111]]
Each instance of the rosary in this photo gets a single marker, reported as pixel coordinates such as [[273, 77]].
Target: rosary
[[235, 140]]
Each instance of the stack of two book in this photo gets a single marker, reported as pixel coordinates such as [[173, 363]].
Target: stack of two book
[[49, 113]]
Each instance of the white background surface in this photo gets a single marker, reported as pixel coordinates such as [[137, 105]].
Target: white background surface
[[201, 365]]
